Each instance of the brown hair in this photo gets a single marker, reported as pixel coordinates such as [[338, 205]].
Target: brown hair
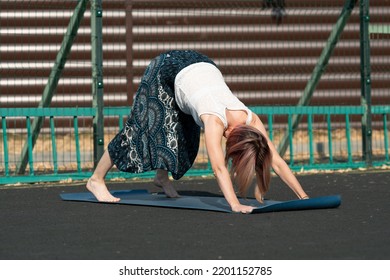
[[248, 149]]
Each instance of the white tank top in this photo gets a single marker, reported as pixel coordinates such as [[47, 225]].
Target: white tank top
[[200, 89]]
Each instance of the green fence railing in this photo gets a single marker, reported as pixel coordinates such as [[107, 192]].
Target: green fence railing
[[323, 120]]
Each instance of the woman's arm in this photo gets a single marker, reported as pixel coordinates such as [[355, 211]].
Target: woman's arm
[[279, 165], [213, 129]]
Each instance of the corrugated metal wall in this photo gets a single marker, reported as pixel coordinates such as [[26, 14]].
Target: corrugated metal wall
[[265, 63]]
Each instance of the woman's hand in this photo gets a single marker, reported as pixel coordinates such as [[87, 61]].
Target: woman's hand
[[244, 209]]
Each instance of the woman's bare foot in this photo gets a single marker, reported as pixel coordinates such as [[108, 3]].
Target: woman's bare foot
[[162, 181], [100, 191]]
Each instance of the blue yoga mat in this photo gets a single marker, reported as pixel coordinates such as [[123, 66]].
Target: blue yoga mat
[[210, 203]]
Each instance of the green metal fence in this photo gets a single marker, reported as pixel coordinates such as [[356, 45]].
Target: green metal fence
[[327, 126], [327, 148]]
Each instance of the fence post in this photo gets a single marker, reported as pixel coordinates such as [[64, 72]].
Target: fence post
[[55, 75], [319, 69], [365, 70], [97, 78]]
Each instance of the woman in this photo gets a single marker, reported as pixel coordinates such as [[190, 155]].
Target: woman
[[180, 92]]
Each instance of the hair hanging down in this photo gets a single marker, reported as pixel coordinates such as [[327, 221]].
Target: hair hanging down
[[250, 154]]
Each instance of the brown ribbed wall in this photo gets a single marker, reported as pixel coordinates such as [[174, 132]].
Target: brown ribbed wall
[[264, 63]]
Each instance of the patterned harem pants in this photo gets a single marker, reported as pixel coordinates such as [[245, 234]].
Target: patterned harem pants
[[157, 135]]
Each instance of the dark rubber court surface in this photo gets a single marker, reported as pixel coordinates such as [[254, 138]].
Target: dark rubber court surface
[[37, 224]]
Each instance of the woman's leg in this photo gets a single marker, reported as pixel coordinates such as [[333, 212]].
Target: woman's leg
[[96, 184], [162, 180]]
